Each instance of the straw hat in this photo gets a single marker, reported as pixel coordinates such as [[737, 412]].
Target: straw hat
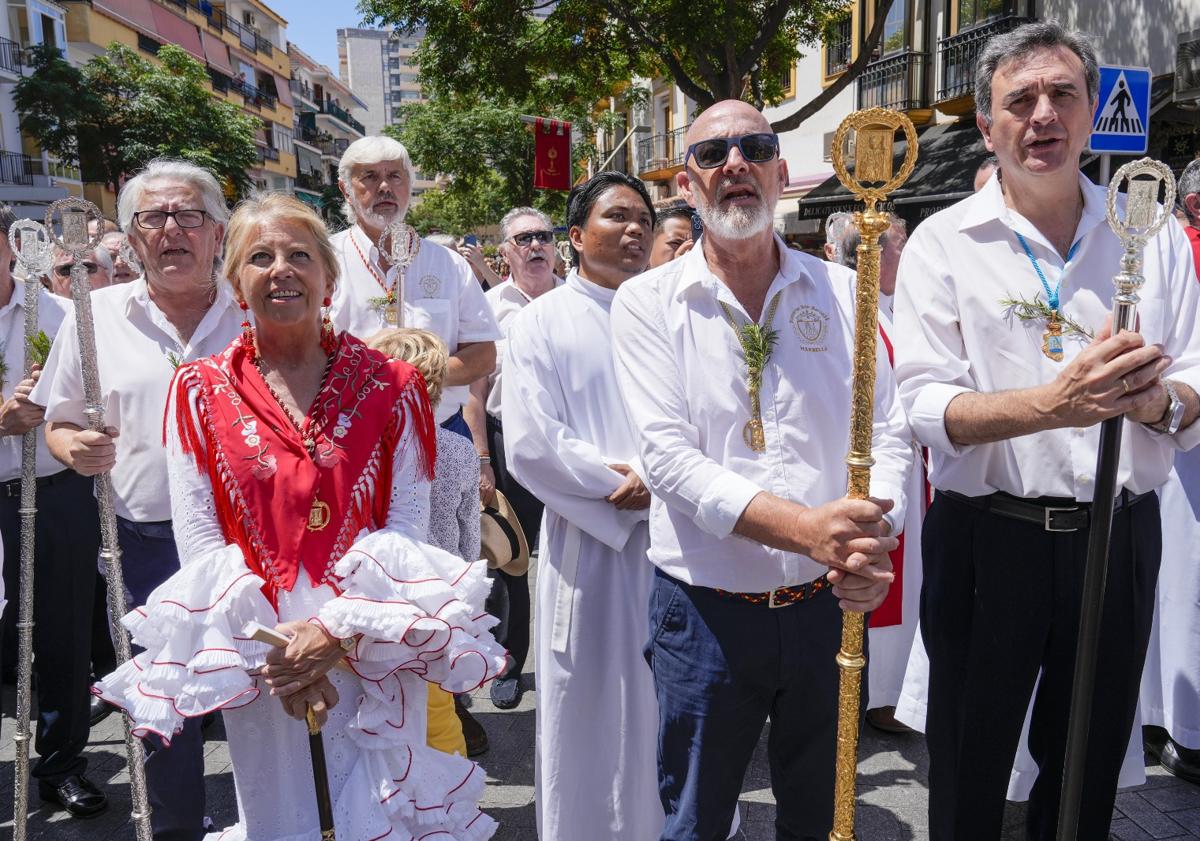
[[502, 541]]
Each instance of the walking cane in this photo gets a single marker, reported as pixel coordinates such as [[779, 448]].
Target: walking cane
[[75, 214], [31, 245], [316, 748], [1143, 219], [875, 130], [400, 243]]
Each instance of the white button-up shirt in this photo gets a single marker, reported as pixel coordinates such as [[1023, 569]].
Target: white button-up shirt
[[51, 311], [441, 295], [683, 377], [953, 336], [506, 300], [138, 349]]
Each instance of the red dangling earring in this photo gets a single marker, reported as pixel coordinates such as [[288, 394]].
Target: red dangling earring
[[328, 339], [247, 330]]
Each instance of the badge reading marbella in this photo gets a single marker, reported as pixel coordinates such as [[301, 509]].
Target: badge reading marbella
[[810, 325]]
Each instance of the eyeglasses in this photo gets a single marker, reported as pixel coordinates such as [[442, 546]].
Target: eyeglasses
[[154, 219], [65, 269], [523, 240], [755, 148]]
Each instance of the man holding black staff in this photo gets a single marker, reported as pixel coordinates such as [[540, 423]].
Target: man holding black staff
[[1006, 370], [735, 363]]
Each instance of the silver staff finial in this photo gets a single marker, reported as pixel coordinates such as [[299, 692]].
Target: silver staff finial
[[31, 245]]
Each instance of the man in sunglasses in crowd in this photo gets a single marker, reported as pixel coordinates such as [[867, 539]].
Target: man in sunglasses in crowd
[[439, 289], [527, 245], [98, 265], [735, 362]]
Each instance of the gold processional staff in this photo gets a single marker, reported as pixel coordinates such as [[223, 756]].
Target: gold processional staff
[[874, 130]]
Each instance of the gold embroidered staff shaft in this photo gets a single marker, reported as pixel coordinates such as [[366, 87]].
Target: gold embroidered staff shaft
[[875, 129], [74, 214]]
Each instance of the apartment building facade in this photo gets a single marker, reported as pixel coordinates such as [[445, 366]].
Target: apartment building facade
[[324, 125]]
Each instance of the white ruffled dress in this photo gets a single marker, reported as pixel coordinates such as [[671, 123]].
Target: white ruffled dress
[[419, 611]]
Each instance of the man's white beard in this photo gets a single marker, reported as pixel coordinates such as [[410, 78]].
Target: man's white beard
[[370, 219], [739, 222]]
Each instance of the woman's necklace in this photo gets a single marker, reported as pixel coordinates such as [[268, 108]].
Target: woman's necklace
[[319, 513], [758, 342]]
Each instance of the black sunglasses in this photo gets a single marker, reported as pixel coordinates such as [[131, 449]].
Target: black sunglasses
[[755, 148], [65, 269], [544, 237]]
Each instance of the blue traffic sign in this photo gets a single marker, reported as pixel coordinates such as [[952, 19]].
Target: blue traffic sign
[[1122, 121]]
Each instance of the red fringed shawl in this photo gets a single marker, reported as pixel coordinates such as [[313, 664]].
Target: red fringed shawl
[[266, 483]]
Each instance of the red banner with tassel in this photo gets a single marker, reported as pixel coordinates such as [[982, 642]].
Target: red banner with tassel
[[552, 155]]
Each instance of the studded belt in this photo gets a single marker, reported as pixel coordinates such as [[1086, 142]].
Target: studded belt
[[781, 596]]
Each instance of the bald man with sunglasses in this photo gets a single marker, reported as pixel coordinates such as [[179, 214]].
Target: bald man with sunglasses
[[757, 551]]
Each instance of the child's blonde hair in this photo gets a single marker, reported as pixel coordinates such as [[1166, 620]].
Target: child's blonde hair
[[420, 349]]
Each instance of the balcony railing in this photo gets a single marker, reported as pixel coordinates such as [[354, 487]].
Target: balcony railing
[[310, 181], [10, 56], [267, 153], [896, 82], [301, 89], [342, 114], [662, 151], [958, 53], [16, 168]]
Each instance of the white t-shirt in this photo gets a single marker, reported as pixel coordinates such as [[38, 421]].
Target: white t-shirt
[[506, 300]]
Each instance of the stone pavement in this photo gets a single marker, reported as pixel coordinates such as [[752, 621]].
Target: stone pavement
[[892, 787]]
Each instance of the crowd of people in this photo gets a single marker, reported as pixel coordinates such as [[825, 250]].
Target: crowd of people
[[359, 445]]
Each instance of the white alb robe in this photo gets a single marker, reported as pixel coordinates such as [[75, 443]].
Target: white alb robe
[[888, 647], [1171, 680], [597, 716]]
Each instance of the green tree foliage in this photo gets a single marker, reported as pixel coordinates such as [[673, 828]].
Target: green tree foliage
[[581, 49], [119, 111], [488, 154]]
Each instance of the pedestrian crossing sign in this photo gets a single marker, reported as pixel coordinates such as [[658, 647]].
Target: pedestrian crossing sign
[[1122, 120]]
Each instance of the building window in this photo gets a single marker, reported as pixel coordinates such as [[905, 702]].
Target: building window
[[395, 80], [895, 37], [393, 64], [839, 44], [147, 44], [788, 82], [975, 12]]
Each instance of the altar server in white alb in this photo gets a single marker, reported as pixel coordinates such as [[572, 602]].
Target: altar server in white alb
[[1009, 401], [440, 292], [566, 438]]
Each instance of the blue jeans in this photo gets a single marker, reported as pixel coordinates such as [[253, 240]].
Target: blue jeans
[[722, 667], [174, 775]]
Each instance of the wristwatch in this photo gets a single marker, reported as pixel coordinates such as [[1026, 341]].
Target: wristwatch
[[1172, 418]]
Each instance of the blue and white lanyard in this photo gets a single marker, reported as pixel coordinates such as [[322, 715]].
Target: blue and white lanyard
[[1051, 294]]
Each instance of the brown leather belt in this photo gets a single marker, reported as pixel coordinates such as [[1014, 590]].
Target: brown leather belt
[[781, 596]]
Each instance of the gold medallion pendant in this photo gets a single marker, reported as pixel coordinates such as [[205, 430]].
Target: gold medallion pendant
[[391, 316], [1052, 340], [753, 435], [318, 516]]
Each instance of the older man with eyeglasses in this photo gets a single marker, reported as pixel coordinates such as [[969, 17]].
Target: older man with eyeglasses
[[735, 363], [527, 245], [175, 215]]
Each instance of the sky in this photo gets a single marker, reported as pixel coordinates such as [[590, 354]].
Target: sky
[[313, 26]]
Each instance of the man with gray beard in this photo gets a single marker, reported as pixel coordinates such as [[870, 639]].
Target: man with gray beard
[[440, 293], [735, 363]]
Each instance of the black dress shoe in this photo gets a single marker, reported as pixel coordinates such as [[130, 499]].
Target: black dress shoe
[[77, 795], [1180, 761], [506, 692], [99, 710]]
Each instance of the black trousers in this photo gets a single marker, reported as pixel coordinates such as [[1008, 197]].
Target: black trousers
[[66, 543], [509, 600], [1001, 602]]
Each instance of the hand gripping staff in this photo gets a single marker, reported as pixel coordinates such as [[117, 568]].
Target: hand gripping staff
[[74, 214], [1143, 218], [875, 129], [31, 245]]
